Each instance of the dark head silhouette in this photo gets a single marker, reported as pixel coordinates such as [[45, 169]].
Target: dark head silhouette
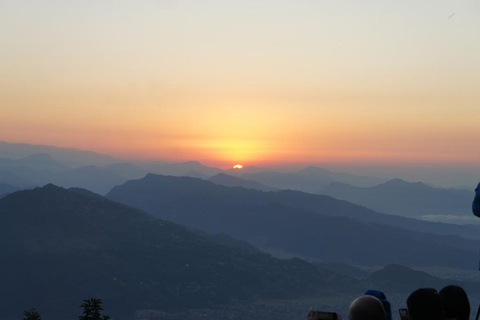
[[425, 304], [476, 202], [366, 308], [455, 303]]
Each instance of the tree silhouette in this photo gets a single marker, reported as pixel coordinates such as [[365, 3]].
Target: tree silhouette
[[32, 314], [91, 310]]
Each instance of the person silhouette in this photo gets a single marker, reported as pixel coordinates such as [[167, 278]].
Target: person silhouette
[[476, 202], [425, 304], [455, 303]]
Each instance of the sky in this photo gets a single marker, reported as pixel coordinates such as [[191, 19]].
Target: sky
[[265, 82]]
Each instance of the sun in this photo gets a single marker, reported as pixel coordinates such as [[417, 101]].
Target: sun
[[238, 166]]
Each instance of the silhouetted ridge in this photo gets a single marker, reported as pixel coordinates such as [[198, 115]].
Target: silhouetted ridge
[[399, 183], [132, 260], [85, 192], [310, 179], [396, 271], [231, 181]]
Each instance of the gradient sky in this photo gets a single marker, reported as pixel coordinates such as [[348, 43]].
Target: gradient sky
[[265, 82]]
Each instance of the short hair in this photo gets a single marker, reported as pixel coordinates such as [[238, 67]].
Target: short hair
[[366, 308], [425, 304], [455, 302]]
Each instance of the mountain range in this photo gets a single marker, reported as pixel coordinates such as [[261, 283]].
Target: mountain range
[[61, 246], [272, 220], [90, 177], [231, 181], [100, 173], [37, 161], [68, 156], [310, 179], [403, 198]]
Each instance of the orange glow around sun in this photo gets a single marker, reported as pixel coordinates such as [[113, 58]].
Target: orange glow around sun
[[238, 166]]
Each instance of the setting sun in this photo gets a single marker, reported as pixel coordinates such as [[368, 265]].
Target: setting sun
[[238, 166]]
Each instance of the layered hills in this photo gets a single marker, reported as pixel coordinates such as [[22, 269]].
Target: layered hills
[[398, 197], [60, 246], [67, 156], [310, 179], [273, 220], [231, 181]]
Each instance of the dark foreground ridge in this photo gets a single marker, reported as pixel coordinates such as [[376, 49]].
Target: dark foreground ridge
[[60, 246]]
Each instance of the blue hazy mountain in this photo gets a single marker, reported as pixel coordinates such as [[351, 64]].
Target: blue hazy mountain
[[60, 246], [399, 197], [180, 169], [10, 178], [26, 173], [310, 179], [89, 177], [39, 161], [126, 170], [266, 221], [66, 156], [231, 181]]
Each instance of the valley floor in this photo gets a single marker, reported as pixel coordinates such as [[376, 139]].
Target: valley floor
[[277, 309]]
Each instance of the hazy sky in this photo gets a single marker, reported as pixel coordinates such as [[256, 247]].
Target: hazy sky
[[254, 82]]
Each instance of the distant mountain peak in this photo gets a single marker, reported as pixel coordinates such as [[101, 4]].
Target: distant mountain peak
[[223, 177], [193, 162], [48, 191], [50, 187], [38, 161], [314, 170], [161, 178], [40, 156], [393, 272], [232, 181], [397, 182], [66, 156]]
